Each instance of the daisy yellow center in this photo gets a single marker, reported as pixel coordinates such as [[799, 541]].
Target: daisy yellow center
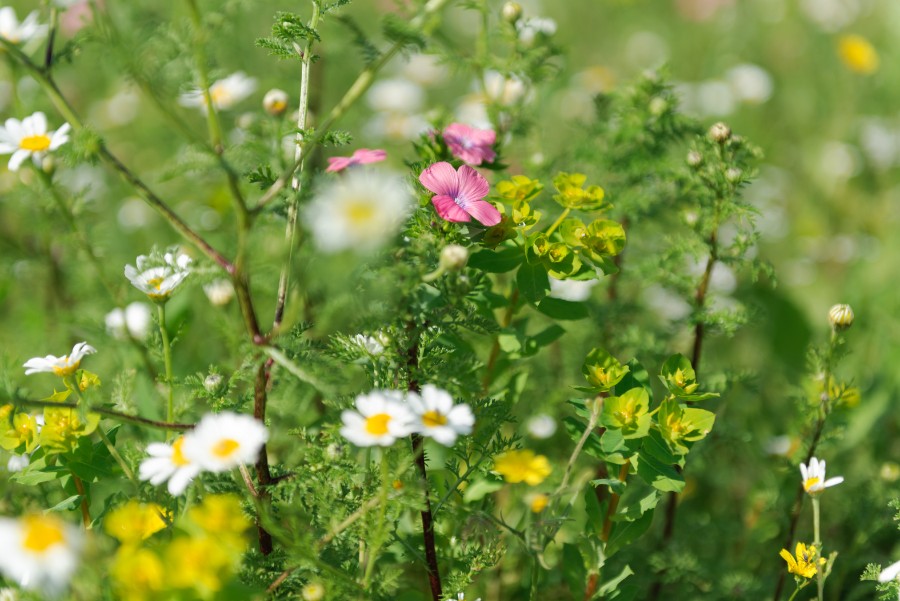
[[177, 455], [359, 212], [377, 425], [156, 282], [66, 369], [36, 143], [39, 533], [219, 95], [433, 419], [809, 483], [225, 448]]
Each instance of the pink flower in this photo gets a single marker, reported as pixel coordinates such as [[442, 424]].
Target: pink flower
[[470, 144], [459, 194], [363, 156]]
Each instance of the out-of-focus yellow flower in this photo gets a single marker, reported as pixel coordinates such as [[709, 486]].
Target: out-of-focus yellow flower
[[199, 563], [20, 429], [62, 428], [137, 574], [539, 503], [221, 516], [858, 54], [134, 521], [522, 466], [313, 591], [806, 563]]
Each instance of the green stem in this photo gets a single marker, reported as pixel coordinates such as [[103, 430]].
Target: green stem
[[817, 542], [212, 116], [592, 423], [85, 507], [796, 590], [556, 223], [167, 358], [110, 413], [117, 456], [382, 512]]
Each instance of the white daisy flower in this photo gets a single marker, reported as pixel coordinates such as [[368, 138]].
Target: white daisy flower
[[17, 463], [219, 292], [368, 344], [30, 138], [381, 418], [61, 366], [438, 417], [167, 462], [541, 426], [575, 291], [814, 477], [890, 572], [135, 318], [225, 93], [18, 33], [39, 552], [158, 280], [222, 441], [361, 211]]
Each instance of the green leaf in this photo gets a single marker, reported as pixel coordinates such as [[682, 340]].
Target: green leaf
[[615, 486], [497, 261], [532, 282], [679, 378], [562, 309], [628, 412], [659, 475], [401, 32], [575, 430], [65, 505], [572, 565], [479, 489], [608, 588], [624, 533], [637, 377], [701, 421]]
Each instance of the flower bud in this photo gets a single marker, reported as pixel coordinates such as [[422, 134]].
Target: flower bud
[[512, 12], [840, 317], [275, 102], [694, 158], [314, 591], [658, 106], [733, 175], [720, 132], [454, 257], [212, 382]]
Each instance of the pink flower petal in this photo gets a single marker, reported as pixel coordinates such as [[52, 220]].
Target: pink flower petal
[[441, 178], [472, 186], [447, 208], [364, 156], [336, 164], [484, 212]]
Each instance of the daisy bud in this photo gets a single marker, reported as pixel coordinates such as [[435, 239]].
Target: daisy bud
[[840, 317], [275, 102], [512, 12], [454, 257], [733, 174], [694, 158], [212, 382], [720, 132], [658, 106]]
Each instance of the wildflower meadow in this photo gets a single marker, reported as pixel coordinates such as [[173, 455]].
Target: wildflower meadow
[[449, 300]]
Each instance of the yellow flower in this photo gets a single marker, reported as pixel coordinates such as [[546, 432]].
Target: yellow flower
[[134, 521], [539, 503], [522, 466], [858, 54], [63, 427], [137, 574], [221, 516], [807, 561], [17, 430], [199, 563]]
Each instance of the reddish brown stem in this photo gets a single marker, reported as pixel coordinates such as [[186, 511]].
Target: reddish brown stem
[[613, 504], [263, 475], [85, 507]]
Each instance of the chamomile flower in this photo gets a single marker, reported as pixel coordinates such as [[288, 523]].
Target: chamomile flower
[[39, 552], [889, 573], [19, 33], [380, 419], [222, 441], [370, 344], [438, 417], [360, 211], [61, 366], [225, 93], [814, 477], [30, 138], [168, 463], [133, 319], [158, 278]]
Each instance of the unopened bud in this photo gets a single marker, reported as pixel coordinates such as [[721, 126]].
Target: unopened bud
[[840, 317], [733, 174], [512, 12], [658, 106], [694, 158], [720, 132], [454, 257], [212, 382], [275, 102]]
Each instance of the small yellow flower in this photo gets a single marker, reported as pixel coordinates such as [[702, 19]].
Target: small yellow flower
[[522, 466], [806, 563], [221, 516], [858, 54], [137, 574], [313, 591], [539, 503], [134, 521]]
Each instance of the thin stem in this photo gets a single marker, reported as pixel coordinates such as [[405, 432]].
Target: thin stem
[[495, 348], [126, 469], [796, 590], [212, 116], [286, 362], [592, 423], [613, 504], [434, 576], [263, 475], [535, 578], [382, 513], [85, 508], [817, 543], [167, 359], [117, 415], [558, 221]]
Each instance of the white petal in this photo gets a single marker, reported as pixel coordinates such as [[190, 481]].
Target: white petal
[[890, 572], [18, 157], [833, 481]]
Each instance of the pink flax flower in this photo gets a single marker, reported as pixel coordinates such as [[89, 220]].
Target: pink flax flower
[[459, 195], [470, 144], [362, 156]]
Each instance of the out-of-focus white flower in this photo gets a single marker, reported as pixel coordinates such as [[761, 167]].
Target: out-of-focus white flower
[[225, 93], [571, 290], [814, 477], [360, 211], [40, 552], [889, 573], [646, 50], [401, 127], [472, 110], [750, 83], [19, 33], [838, 161], [880, 143], [529, 29], [158, 278], [665, 303], [504, 91], [222, 441], [381, 417], [840, 316], [168, 463], [831, 15], [779, 445], [369, 344], [17, 463], [8, 594], [30, 138], [275, 102], [314, 591], [541, 426], [424, 69], [135, 318], [219, 292], [61, 366], [438, 417], [395, 95]]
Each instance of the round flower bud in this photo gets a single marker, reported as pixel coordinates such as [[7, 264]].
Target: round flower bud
[[275, 102], [212, 382], [658, 106], [720, 132], [314, 591], [694, 158], [454, 257], [733, 174], [512, 12], [840, 317]]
